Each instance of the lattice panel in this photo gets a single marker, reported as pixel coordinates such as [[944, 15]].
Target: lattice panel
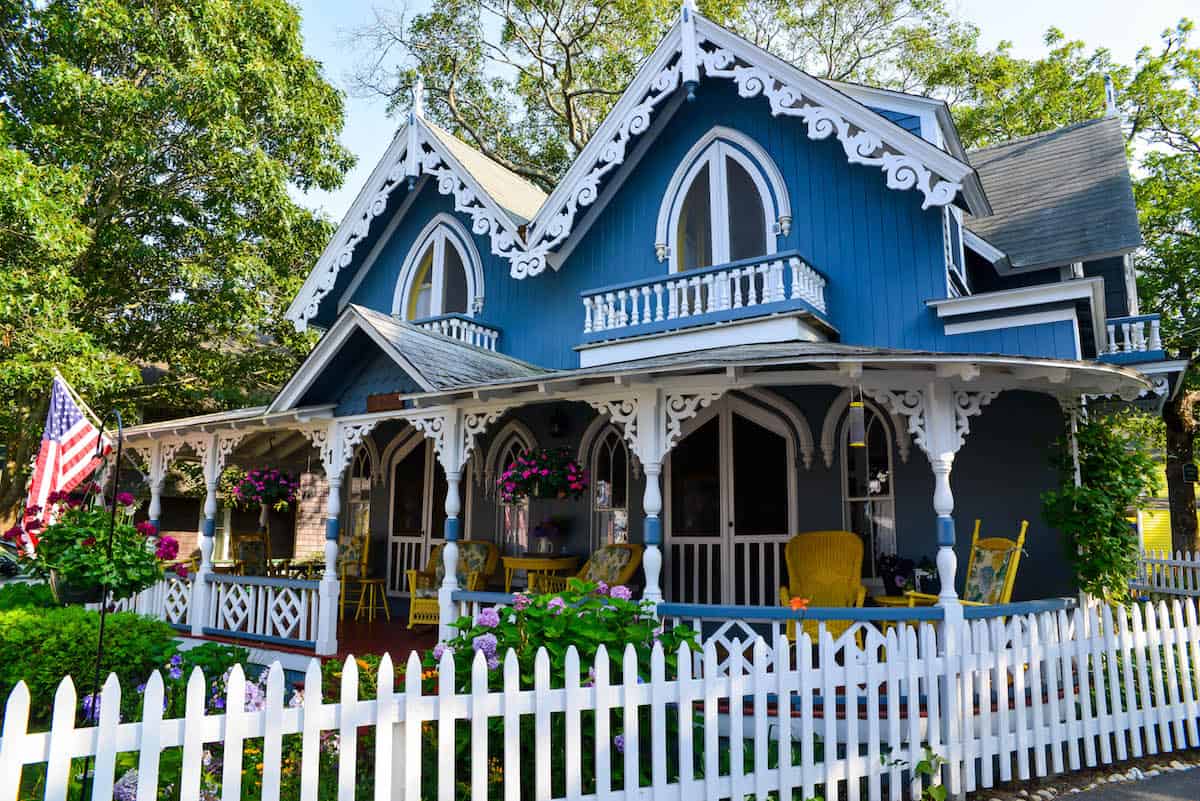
[[235, 607], [287, 613], [177, 601]]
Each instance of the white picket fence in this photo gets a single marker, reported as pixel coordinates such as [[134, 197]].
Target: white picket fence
[[1160, 573], [999, 699]]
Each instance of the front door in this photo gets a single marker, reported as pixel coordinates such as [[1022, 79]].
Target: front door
[[730, 507], [418, 512]]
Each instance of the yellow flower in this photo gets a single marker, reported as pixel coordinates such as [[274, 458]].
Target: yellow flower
[[362, 663]]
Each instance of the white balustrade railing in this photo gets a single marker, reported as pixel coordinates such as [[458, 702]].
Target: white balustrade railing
[[462, 329], [1133, 334], [687, 298], [1000, 700], [1160, 573], [265, 609], [169, 600]]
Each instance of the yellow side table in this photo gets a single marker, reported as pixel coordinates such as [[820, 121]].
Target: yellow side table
[[534, 563]]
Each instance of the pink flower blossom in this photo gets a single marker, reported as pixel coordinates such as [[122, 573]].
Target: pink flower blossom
[[147, 529], [558, 605], [521, 601], [168, 548], [125, 499], [621, 593]]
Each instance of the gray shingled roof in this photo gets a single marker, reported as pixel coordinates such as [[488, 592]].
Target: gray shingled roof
[[442, 362], [1058, 197]]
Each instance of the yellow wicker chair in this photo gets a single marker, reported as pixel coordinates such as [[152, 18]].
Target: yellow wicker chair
[[477, 561], [613, 564], [991, 571], [826, 568]]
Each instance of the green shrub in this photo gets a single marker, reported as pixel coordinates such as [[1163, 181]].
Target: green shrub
[[40, 646], [18, 595], [1116, 473]]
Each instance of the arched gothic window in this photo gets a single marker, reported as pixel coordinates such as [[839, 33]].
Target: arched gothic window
[[726, 202], [868, 488], [441, 274], [610, 488], [513, 523]]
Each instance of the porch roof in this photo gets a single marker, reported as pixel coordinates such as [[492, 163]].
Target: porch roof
[[829, 363]]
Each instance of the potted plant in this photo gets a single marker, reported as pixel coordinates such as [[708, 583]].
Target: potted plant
[[72, 553], [543, 473], [896, 572], [269, 487]]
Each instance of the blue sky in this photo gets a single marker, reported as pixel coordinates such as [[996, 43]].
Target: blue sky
[[1120, 25]]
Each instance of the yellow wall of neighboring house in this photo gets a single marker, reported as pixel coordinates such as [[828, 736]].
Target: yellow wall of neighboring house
[[1156, 519]]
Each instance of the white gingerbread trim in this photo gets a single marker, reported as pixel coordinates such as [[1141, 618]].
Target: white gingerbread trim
[[622, 412], [907, 160], [680, 406]]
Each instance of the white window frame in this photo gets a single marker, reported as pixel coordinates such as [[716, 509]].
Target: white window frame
[[713, 149], [513, 432], [442, 231], [952, 216]]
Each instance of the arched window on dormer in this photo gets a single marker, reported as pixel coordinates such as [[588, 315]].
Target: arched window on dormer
[[441, 274], [726, 202]]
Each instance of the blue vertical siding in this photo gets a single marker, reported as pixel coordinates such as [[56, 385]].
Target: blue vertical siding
[[1056, 340]]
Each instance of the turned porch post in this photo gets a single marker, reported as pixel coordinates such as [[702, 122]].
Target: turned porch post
[[156, 477], [942, 443], [452, 456], [209, 451], [651, 447], [330, 587]]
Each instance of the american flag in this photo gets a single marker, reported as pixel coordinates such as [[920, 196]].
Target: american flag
[[68, 452]]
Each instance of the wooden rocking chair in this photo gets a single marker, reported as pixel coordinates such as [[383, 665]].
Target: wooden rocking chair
[[991, 571], [477, 561]]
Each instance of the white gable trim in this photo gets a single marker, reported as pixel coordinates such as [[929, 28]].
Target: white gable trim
[[400, 164], [758, 166], [327, 349], [692, 44]]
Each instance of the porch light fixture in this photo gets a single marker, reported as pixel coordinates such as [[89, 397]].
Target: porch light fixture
[[858, 420]]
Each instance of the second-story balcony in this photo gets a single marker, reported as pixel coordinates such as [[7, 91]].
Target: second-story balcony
[[775, 285], [1133, 339], [462, 328]]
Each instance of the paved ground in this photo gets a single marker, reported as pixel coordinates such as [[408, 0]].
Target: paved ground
[[1175, 786]]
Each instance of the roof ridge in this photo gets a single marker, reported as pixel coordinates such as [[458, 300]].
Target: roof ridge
[[1039, 135]]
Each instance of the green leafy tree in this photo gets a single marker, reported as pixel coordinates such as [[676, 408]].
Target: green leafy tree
[[1116, 472], [528, 81], [154, 144]]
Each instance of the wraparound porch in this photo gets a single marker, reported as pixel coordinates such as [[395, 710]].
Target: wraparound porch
[[663, 411]]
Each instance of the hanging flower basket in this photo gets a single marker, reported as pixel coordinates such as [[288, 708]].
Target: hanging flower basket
[[269, 487], [72, 552], [544, 473]]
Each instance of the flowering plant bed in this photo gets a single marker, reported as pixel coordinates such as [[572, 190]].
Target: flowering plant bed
[[268, 487], [543, 473], [586, 616], [72, 553]]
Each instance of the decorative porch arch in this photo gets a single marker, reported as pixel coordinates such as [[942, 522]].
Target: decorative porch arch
[[833, 417]]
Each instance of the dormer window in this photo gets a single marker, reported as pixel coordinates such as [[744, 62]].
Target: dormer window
[[726, 202], [441, 274]]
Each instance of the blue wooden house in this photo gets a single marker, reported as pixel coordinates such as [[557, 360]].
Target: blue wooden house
[[740, 252]]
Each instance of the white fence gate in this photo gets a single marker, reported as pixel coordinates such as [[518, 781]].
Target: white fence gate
[[1160, 573], [999, 699]]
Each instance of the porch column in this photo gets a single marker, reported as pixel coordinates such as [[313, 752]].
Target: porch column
[[452, 451], [652, 531], [330, 443], [157, 476], [210, 458], [942, 443], [450, 553]]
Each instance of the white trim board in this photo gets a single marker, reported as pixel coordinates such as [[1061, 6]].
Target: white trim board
[[782, 328]]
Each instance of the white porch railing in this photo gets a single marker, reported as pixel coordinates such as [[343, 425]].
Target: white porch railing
[[168, 600], [730, 291], [462, 328], [282, 611], [1162, 574], [1000, 699], [1133, 334]]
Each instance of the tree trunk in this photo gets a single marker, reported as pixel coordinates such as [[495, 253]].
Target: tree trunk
[[1181, 438]]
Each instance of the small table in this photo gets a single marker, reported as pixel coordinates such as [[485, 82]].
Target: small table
[[536, 563]]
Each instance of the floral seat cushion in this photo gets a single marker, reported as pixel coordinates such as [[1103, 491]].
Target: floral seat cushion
[[607, 563], [472, 558], [989, 570]]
